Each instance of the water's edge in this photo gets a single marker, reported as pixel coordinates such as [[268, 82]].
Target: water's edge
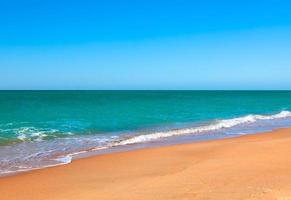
[[218, 129]]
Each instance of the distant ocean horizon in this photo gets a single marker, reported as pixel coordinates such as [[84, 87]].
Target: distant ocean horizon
[[44, 128]]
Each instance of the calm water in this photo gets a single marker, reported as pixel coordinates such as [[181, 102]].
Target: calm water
[[42, 128]]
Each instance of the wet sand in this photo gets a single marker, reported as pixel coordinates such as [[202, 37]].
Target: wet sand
[[247, 167]]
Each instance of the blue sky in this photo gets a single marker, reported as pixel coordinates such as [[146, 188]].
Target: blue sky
[[145, 44]]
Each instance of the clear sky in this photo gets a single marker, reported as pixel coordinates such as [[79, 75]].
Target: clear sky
[[152, 44]]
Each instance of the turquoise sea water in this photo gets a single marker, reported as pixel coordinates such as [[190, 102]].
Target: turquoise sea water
[[42, 128]]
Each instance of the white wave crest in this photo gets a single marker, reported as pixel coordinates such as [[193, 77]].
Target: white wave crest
[[220, 124], [35, 134]]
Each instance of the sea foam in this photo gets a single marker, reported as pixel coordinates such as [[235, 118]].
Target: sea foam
[[219, 124]]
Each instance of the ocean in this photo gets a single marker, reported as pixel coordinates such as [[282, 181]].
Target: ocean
[[47, 128]]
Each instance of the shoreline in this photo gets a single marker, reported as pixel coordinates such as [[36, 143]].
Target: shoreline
[[254, 166], [37, 154]]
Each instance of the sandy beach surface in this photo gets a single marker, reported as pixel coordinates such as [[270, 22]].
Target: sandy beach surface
[[247, 167]]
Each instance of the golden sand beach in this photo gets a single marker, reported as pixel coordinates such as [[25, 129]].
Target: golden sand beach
[[248, 167]]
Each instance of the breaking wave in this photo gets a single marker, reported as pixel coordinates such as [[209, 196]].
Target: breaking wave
[[219, 124]]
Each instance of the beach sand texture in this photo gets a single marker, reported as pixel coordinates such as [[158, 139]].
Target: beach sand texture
[[247, 167]]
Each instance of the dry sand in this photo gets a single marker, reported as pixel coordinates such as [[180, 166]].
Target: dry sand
[[248, 167]]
